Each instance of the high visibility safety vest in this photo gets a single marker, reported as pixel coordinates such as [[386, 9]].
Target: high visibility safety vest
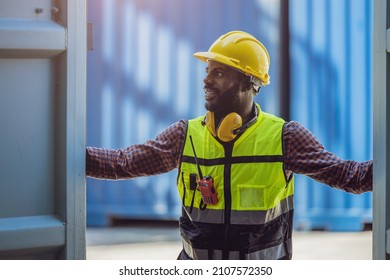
[[253, 216]]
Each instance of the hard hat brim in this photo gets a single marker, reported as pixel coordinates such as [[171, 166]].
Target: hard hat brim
[[217, 57], [204, 56]]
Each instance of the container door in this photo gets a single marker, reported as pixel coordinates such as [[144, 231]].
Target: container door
[[381, 74], [42, 127]]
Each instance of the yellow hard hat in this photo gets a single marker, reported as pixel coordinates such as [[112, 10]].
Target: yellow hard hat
[[241, 51]]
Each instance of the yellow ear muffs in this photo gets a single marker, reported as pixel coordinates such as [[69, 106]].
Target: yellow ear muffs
[[228, 124], [225, 129]]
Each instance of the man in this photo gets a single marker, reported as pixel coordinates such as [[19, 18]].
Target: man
[[235, 163]]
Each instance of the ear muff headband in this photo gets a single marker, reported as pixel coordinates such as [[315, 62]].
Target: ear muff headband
[[210, 123]]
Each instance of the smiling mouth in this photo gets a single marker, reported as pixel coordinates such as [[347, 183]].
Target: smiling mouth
[[210, 93], [209, 96]]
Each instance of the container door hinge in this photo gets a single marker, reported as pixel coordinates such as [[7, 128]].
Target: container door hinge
[[388, 40], [90, 36], [388, 241]]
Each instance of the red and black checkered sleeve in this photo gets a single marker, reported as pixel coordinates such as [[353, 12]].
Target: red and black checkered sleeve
[[151, 158], [304, 154]]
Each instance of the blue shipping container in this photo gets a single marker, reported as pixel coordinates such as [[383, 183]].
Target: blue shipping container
[[331, 94]]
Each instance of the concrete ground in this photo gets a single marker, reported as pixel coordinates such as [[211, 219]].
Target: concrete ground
[[162, 242]]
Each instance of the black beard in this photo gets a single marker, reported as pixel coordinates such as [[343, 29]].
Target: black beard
[[229, 102]]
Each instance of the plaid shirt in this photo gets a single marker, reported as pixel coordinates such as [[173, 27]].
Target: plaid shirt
[[303, 154]]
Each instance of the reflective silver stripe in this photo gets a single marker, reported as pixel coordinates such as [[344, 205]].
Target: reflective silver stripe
[[256, 217], [272, 253], [215, 216], [262, 216]]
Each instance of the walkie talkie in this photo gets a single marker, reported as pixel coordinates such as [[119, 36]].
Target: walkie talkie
[[205, 184]]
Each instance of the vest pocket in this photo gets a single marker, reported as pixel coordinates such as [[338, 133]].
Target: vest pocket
[[267, 243], [252, 197], [196, 241]]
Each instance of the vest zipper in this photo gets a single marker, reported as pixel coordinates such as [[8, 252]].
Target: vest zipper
[[228, 198]]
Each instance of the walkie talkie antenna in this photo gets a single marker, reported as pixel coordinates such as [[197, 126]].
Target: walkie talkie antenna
[[196, 159], [205, 185]]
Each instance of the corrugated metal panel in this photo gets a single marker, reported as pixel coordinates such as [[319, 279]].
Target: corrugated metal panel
[[331, 95], [142, 77], [42, 116]]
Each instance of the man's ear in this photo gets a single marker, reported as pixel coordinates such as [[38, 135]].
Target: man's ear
[[246, 84]]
